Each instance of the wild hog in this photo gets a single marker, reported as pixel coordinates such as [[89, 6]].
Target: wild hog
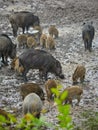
[[32, 104], [53, 31], [79, 73], [49, 84], [24, 20], [43, 39], [28, 88], [88, 33], [39, 28], [41, 60], [74, 92], [22, 40], [13, 63], [50, 43], [31, 42], [7, 48], [16, 66]]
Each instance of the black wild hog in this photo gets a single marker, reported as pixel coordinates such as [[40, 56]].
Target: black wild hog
[[88, 33], [28, 88], [7, 48], [24, 20], [32, 104], [42, 60]]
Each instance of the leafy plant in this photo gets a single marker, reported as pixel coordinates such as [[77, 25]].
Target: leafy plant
[[29, 122], [90, 121], [65, 121], [5, 123]]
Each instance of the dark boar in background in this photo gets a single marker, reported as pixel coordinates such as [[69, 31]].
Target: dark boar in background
[[42, 60], [24, 20], [88, 33], [7, 48], [28, 88]]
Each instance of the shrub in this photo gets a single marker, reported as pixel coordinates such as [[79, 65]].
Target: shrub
[[90, 121]]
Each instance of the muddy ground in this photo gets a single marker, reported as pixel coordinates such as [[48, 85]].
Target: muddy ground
[[68, 16]]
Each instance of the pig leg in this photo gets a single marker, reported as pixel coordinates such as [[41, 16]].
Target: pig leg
[[23, 29], [6, 61], [49, 95], [70, 101], [65, 102], [75, 81], [24, 75], [27, 28], [40, 74], [82, 78], [45, 74], [90, 46], [85, 44], [2, 58], [78, 98]]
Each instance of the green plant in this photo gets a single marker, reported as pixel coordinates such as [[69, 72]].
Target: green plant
[[64, 117], [5, 123], [32, 123], [90, 121]]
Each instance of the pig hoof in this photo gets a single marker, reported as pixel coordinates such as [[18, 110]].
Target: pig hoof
[[75, 83], [62, 76]]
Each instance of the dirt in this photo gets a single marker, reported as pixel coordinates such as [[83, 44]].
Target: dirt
[[68, 16]]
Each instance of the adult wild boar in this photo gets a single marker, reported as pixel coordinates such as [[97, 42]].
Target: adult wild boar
[[7, 48], [24, 20], [42, 60], [88, 33]]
